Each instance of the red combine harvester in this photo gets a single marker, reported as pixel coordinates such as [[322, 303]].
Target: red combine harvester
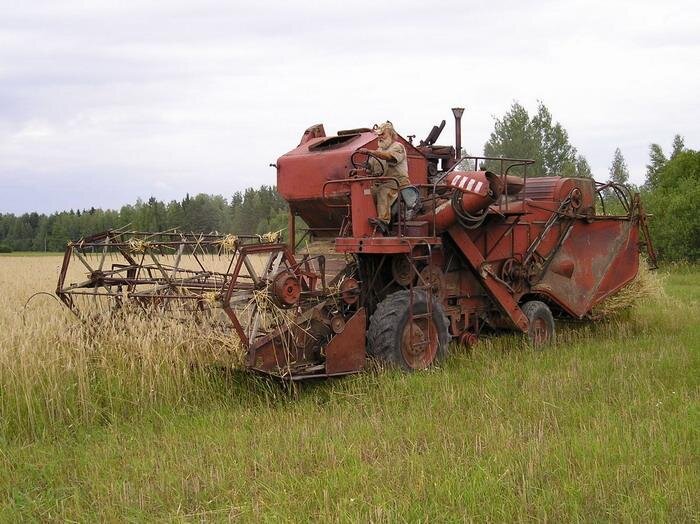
[[483, 250]]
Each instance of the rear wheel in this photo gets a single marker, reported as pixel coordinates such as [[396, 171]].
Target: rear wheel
[[541, 323], [410, 342]]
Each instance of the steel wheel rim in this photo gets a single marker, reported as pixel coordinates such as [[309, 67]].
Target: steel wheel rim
[[419, 343], [540, 331]]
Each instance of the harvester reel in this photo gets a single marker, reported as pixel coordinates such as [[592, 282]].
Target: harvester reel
[[170, 273], [242, 282]]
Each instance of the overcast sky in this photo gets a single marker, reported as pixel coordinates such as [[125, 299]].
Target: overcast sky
[[104, 102]]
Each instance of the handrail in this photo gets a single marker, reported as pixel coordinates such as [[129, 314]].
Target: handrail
[[622, 192], [325, 197], [432, 193]]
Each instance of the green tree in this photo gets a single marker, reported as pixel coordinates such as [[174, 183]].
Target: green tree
[[175, 214], [580, 168], [618, 169], [657, 161], [555, 152], [675, 225], [678, 146], [20, 235], [513, 135], [539, 138]]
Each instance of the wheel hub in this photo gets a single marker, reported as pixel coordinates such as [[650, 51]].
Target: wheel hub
[[419, 343], [286, 289]]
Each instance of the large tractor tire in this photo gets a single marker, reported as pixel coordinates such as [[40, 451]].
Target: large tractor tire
[[413, 345], [541, 330]]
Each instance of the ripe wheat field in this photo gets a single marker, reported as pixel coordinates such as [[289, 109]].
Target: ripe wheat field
[[143, 420]]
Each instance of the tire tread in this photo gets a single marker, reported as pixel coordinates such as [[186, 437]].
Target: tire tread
[[387, 318]]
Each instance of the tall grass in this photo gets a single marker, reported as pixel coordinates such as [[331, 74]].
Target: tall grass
[[58, 372], [603, 426]]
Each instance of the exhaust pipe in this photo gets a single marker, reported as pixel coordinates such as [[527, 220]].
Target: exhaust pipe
[[457, 112]]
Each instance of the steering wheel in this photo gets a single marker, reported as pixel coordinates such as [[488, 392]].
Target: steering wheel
[[365, 165]]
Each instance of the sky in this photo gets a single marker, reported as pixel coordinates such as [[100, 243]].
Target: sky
[[103, 102]]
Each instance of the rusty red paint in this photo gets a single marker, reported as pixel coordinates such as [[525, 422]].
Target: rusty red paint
[[346, 354], [483, 246]]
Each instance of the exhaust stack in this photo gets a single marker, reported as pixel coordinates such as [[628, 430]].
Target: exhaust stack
[[457, 112]]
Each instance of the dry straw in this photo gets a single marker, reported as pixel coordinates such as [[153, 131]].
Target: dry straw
[[228, 243], [271, 237], [648, 284], [138, 245]]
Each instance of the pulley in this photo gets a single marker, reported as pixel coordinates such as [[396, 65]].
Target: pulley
[[286, 288], [350, 291]]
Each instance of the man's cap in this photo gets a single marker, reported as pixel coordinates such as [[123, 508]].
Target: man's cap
[[378, 129]]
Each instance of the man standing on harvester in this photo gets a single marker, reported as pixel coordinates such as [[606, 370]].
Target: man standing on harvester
[[391, 154]]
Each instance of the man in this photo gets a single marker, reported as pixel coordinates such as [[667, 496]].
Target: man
[[391, 154]]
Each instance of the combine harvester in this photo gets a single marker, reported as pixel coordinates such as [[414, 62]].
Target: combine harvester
[[481, 251]]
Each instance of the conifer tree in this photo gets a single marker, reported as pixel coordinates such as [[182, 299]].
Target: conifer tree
[[618, 169]]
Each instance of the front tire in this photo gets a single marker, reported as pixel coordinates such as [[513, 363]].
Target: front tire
[[409, 343]]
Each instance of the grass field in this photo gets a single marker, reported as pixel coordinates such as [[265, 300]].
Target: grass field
[[115, 425]]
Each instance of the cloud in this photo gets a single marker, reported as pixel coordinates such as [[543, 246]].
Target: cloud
[[104, 102]]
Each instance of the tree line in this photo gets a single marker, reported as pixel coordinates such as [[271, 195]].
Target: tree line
[[253, 211], [671, 193]]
